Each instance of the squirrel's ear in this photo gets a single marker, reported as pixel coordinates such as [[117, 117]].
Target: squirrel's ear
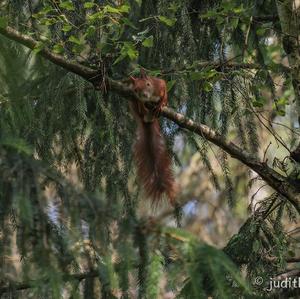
[[143, 73], [132, 79]]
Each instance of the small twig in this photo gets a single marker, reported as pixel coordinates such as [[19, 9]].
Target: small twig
[[266, 150], [247, 35]]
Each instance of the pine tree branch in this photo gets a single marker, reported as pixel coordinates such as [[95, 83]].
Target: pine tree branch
[[270, 176], [266, 19], [218, 65], [287, 12], [290, 260], [222, 65], [258, 19], [27, 41], [31, 284]]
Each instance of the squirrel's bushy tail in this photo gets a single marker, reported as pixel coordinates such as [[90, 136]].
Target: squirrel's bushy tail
[[153, 162]]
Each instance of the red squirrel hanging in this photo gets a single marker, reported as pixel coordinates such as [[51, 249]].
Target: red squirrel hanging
[[151, 156]]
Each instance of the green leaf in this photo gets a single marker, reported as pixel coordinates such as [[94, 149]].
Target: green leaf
[[196, 75], [174, 7], [96, 16], [227, 6], [148, 42], [67, 28], [170, 84], [91, 30], [210, 14], [38, 47], [58, 49], [211, 74], [238, 10], [208, 86], [220, 20], [89, 5], [68, 5], [3, 22], [261, 31], [153, 73], [36, 15], [259, 102], [77, 49], [111, 9], [129, 50], [124, 8], [126, 21], [282, 101], [49, 21], [73, 39], [42, 13], [280, 112], [256, 246], [167, 21], [132, 53], [120, 58], [46, 9], [234, 22]]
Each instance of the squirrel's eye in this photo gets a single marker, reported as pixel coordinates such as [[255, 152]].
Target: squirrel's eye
[[148, 84]]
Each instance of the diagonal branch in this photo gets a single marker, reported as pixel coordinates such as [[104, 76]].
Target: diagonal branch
[[218, 65], [270, 176], [27, 41]]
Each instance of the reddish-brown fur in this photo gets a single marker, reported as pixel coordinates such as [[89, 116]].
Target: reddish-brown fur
[[150, 153]]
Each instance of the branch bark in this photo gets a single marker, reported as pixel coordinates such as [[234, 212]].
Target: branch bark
[[270, 176], [218, 65], [265, 19]]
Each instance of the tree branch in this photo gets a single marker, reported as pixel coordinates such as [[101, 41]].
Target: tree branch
[[266, 19], [31, 284], [274, 179], [218, 65], [221, 66], [27, 41], [290, 260]]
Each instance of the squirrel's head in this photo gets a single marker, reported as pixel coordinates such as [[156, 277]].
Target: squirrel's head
[[143, 87]]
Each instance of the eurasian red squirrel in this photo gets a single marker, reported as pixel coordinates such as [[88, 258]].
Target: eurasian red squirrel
[[150, 153]]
